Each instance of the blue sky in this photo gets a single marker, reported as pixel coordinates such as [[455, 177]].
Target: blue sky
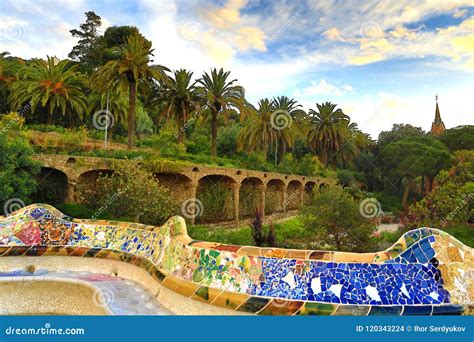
[[383, 62]]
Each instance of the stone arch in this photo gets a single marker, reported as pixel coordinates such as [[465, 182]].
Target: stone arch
[[294, 193], [274, 197], [216, 197], [177, 183], [71, 161], [250, 195], [308, 189], [86, 184], [53, 185]]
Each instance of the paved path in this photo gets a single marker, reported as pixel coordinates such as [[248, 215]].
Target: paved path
[[388, 227]]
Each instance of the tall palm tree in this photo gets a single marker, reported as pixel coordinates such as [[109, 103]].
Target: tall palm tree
[[328, 129], [55, 85], [297, 128], [130, 70], [258, 132], [220, 95], [180, 98]]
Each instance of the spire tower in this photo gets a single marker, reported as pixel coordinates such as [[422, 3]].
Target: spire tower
[[437, 127]]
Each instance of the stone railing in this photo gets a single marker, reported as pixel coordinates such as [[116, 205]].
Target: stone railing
[[426, 272]]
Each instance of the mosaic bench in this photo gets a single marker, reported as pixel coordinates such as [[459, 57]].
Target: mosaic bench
[[426, 272]]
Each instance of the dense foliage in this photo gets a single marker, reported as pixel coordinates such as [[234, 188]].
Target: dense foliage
[[452, 201], [332, 214], [16, 164]]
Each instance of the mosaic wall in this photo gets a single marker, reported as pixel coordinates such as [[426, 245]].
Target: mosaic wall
[[426, 272]]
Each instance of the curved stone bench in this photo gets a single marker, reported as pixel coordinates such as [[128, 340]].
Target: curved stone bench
[[425, 272]]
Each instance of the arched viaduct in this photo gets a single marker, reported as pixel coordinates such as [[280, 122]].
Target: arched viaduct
[[77, 176]]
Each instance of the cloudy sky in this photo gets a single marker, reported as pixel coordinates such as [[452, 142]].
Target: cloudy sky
[[383, 62]]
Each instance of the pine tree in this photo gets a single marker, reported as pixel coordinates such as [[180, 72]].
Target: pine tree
[[88, 49]]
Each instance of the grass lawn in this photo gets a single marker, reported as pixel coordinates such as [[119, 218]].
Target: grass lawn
[[288, 234], [291, 234]]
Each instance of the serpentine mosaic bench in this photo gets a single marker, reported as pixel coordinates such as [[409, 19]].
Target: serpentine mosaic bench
[[426, 272]]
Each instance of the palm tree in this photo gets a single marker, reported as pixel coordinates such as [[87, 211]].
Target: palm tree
[[297, 128], [180, 98], [258, 132], [53, 84], [355, 142], [118, 106], [220, 96], [328, 129], [8, 69], [130, 70]]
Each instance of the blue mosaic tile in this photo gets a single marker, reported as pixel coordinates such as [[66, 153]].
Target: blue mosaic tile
[[353, 283]]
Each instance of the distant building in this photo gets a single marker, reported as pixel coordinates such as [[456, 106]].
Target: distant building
[[437, 127]]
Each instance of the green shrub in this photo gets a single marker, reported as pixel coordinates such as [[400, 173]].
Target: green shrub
[[255, 161], [227, 140], [199, 143], [333, 216], [165, 143], [308, 165], [73, 140], [17, 167], [131, 191], [46, 128], [389, 202]]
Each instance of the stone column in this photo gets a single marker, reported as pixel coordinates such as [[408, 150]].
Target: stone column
[[192, 208], [301, 195], [263, 190], [236, 199], [71, 191], [284, 197]]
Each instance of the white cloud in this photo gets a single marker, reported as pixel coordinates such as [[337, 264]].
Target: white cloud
[[323, 88]]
